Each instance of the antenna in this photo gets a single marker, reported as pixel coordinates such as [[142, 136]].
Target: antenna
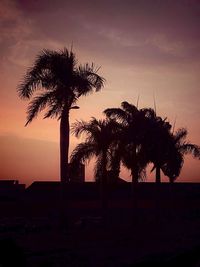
[[71, 47], [174, 125], [138, 98], [154, 102]]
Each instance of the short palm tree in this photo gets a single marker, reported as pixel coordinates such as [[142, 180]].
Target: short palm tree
[[178, 148], [100, 135], [59, 82]]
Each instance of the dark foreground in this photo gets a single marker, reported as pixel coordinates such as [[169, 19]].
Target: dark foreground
[[162, 231]]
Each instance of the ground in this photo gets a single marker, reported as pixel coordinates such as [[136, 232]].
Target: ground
[[92, 244]]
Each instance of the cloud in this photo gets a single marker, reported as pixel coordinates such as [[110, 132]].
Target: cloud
[[14, 30], [125, 32], [20, 39]]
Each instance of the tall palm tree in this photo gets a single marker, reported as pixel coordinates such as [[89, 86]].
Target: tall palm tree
[[100, 134], [60, 81], [157, 144], [178, 148], [134, 124]]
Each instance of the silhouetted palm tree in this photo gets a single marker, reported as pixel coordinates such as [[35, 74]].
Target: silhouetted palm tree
[[134, 123], [134, 128], [157, 144], [60, 82], [100, 134], [178, 148]]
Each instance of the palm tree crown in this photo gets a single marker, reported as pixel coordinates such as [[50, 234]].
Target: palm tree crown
[[60, 83]]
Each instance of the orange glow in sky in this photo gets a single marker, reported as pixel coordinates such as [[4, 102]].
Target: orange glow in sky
[[144, 48]]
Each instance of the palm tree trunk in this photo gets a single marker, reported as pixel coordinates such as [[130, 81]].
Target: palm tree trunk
[[158, 205], [64, 173], [134, 193], [134, 187], [64, 145], [103, 189], [158, 179]]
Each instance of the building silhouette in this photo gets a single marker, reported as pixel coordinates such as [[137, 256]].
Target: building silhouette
[[11, 188], [77, 175]]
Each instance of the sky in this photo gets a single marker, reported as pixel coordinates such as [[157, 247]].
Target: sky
[[144, 47]]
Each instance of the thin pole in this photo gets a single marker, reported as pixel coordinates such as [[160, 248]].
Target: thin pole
[[154, 102], [138, 98], [174, 125]]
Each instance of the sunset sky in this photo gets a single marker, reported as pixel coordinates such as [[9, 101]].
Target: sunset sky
[[144, 48]]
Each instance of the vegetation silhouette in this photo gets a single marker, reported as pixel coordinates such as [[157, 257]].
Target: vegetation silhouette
[[166, 150], [134, 124], [134, 137], [60, 82], [156, 143], [128, 136], [147, 138], [140, 136], [178, 148], [100, 137]]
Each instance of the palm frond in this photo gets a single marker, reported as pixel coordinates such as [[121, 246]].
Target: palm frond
[[77, 128], [87, 79], [192, 149], [92, 128], [29, 84], [148, 112], [180, 135], [173, 166], [82, 152], [54, 111], [80, 127], [49, 71], [116, 113], [38, 104], [129, 108], [34, 77]]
